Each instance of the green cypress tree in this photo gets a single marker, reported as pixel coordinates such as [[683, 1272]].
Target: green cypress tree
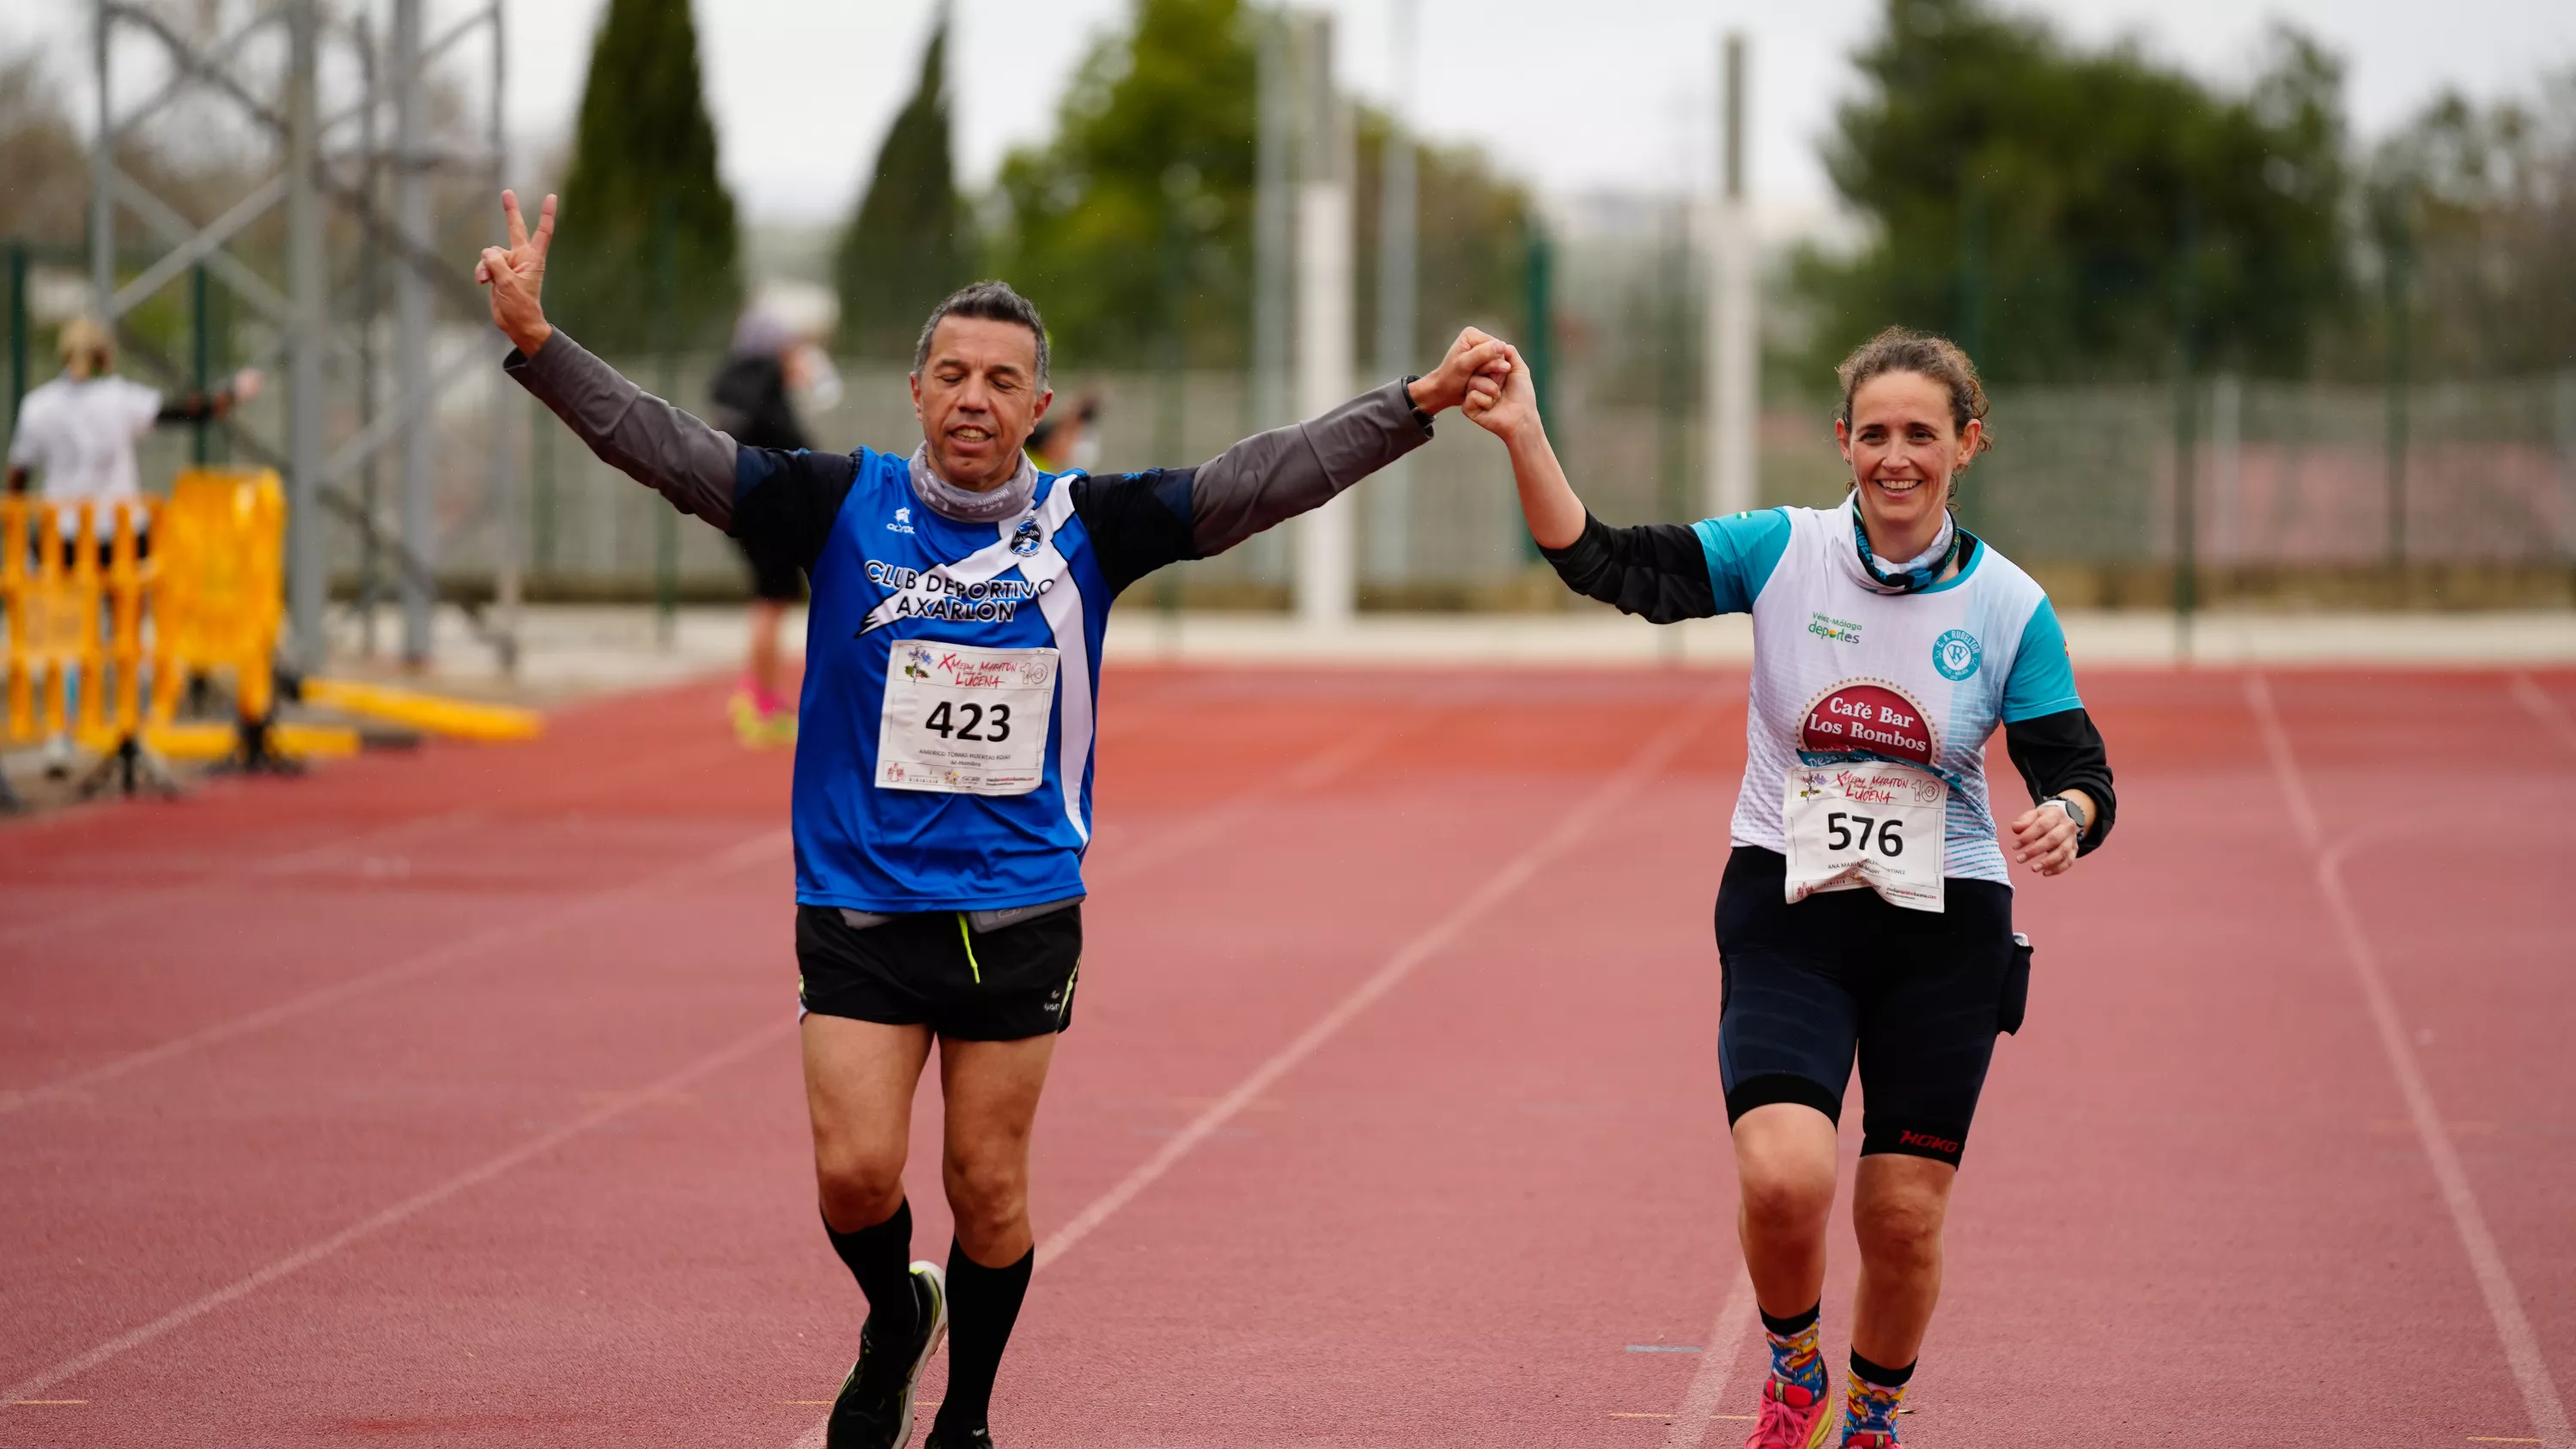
[[649, 254], [906, 246]]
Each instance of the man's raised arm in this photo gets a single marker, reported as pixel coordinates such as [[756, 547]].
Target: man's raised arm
[[1271, 477], [640, 435], [1142, 521]]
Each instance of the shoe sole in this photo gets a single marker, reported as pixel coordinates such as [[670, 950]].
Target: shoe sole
[[928, 1272]]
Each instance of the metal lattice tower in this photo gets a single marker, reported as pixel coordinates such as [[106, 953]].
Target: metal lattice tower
[[330, 166]]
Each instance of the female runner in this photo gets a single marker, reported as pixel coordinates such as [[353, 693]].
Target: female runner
[[1866, 908]]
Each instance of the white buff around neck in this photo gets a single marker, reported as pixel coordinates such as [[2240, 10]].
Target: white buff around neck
[[967, 505]]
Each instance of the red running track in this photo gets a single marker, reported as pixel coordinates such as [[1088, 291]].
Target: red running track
[[452, 1099]]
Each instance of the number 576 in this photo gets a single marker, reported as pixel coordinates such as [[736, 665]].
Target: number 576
[[1847, 831]]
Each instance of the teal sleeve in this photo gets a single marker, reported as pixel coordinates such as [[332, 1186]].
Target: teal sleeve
[[1742, 551], [2043, 678]]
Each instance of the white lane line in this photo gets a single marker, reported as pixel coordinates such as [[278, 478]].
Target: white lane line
[[1515, 873], [409, 1207], [1496, 888], [760, 849], [1716, 1373], [2504, 1305], [2536, 701]]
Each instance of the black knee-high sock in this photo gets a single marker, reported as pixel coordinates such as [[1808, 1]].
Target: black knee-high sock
[[880, 1257], [983, 1303]]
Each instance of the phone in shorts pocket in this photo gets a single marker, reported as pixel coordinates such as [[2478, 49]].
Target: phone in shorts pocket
[[2016, 995]]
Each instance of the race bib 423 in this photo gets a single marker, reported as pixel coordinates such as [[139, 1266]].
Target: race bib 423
[[965, 721]]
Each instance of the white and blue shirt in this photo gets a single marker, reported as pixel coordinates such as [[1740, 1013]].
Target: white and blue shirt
[[1845, 668]]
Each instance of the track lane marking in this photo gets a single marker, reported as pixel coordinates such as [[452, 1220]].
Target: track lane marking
[[408, 1208], [759, 849], [1708, 1386], [1657, 752], [2535, 701], [1316, 769], [2486, 1262]]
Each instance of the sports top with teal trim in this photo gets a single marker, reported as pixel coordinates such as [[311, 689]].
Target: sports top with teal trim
[[1848, 667], [1018, 601]]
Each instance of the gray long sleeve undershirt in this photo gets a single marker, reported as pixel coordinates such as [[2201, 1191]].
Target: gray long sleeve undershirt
[[638, 434], [1258, 483]]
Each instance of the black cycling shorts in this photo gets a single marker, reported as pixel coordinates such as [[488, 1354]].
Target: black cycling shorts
[[776, 577], [1917, 996], [932, 968]]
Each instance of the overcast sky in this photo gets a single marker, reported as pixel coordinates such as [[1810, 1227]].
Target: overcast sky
[[1573, 94]]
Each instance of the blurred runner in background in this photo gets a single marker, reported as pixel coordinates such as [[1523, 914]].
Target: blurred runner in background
[[1064, 442], [751, 397]]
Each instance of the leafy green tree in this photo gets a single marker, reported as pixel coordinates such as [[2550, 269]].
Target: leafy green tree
[[2072, 215], [1139, 210], [2472, 206], [907, 245], [1141, 205], [649, 254]]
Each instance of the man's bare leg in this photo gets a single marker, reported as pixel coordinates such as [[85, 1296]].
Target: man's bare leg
[[992, 1090], [859, 1081]]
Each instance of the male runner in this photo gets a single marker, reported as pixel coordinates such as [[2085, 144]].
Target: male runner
[[943, 761]]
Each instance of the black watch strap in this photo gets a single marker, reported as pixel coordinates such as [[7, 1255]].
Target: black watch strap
[[1419, 416]]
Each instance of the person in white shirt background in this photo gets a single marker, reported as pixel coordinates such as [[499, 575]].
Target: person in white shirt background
[[77, 433]]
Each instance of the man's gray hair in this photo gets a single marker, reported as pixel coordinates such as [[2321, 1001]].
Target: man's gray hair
[[990, 302]]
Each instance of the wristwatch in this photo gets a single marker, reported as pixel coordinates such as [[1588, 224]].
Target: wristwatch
[[1419, 416], [2073, 811]]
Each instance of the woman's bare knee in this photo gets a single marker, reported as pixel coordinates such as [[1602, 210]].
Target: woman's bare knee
[[1784, 1166], [1898, 1209]]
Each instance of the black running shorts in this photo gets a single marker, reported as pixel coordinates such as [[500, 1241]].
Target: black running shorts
[[1918, 997], [932, 968]]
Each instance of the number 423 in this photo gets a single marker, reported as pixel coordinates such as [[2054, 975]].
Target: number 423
[[1848, 831], [988, 723]]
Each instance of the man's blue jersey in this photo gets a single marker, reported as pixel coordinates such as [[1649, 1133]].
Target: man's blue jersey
[[1032, 588], [890, 571]]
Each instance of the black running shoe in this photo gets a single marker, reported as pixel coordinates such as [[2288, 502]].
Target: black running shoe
[[953, 1439], [874, 1407]]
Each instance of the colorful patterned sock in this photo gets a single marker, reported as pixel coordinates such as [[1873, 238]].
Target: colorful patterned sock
[[1870, 1398], [1795, 1359]]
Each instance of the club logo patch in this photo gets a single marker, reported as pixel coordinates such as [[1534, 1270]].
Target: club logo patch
[[1957, 655], [1028, 538], [1870, 715]]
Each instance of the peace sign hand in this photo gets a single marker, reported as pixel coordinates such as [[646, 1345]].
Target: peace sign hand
[[517, 276]]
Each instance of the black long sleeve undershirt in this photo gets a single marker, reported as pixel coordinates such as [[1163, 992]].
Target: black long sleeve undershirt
[[1656, 571], [2059, 752]]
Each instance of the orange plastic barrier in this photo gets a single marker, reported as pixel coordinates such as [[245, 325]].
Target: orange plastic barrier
[[67, 612], [218, 595]]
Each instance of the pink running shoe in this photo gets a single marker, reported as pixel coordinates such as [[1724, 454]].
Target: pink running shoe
[[1871, 1439], [1791, 1418]]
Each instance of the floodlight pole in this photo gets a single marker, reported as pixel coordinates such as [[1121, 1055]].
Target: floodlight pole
[[1390, 494], [1274, 226], [1734, 342], [412, 332], [102, 181], [307, 278], [1325, 578]]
